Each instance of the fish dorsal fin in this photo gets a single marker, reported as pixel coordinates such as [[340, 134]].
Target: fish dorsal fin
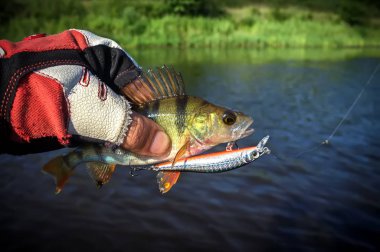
[[151, 85], [166, 180], [101, 173]]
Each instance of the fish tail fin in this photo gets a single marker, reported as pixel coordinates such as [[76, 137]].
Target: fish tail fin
[[58, 168]]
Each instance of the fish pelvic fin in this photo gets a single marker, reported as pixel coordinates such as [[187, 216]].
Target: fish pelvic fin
[[181, 152], [101, 173], [166, 180], [61, 172], [152, 85]]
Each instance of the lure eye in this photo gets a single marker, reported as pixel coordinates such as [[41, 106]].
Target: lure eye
[[255, 154], [229, 117]]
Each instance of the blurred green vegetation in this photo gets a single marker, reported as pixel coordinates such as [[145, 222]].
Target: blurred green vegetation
[[202, 23], [151, 57]]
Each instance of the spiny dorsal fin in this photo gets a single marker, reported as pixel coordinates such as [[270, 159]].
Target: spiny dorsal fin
[[155, 85], [101, 173]]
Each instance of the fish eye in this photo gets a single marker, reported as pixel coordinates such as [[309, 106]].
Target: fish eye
[[229, 117]]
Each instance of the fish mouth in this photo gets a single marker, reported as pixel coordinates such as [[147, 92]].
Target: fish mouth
[[245, 130]]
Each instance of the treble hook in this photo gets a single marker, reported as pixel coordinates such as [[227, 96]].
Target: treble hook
[[230, 146], [236, 145]]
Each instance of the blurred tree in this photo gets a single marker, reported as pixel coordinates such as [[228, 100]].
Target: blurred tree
[[10, 9], [45, 9], [279, 15], [353, 12], [210, 8]]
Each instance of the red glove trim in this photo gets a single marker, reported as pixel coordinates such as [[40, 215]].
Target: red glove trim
[[34, 36], [39, 109], [65, 40]]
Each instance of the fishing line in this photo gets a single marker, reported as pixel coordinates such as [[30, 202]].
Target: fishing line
[[277, 156], [327, 140]]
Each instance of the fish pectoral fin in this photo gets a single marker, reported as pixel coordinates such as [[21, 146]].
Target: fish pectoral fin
[[181, 152], [166, 180], [61, 172], [101, 173]]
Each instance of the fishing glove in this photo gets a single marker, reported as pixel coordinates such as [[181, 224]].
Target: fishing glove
[[59, 90]]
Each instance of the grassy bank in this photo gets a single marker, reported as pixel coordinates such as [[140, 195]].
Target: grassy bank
[[158, 24]]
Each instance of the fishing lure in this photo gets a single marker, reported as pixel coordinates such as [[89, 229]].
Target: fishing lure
[[209, 163]]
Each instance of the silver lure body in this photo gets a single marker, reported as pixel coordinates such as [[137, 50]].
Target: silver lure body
[[215, 162]]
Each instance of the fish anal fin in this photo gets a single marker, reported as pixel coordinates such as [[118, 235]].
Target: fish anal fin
[[181, 152], [154, 85], [101, 173], [166, 180], [61, 172]]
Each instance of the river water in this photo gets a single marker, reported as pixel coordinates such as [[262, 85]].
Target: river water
[[324, 200]]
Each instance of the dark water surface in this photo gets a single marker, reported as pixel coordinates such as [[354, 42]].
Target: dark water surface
[[327, 199]]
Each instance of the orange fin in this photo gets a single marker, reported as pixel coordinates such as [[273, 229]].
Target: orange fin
[[58, 168], [181, 152], [154, 85], [166, 180], [101, 173]]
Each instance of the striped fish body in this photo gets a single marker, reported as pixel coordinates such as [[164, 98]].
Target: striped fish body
[[177, 116]]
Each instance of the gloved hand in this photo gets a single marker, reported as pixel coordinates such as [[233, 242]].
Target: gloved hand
[[60, 90]]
